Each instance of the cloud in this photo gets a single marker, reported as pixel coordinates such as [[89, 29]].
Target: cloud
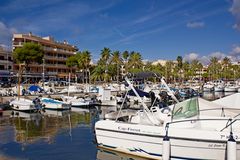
[[195, 24], [235, 10], [235, 52], [6, 34], [218, 55], [190, 57]]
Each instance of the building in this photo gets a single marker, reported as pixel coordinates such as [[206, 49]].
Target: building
[[6, 63], [55, 56]]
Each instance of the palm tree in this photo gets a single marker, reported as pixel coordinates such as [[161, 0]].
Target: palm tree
[[104, 61], [135, 60], [179, 65], [226, 65], [105, 56], [186, 70], [214, 68], [168, 70], [71, 62], [84, 59], [116, 60], [98, 73]]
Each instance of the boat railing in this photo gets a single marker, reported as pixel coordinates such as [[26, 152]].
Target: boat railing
[[230, 122], [222, 109]]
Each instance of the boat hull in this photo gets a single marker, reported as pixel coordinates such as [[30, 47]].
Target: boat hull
[[230, 89], [146, 141], [21, 104]]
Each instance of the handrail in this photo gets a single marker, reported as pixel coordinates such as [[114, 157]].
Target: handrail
[[206, 119]]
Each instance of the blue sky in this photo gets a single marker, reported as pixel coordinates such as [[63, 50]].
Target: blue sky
[[158, 29]]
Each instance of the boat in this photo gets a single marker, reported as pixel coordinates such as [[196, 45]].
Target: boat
[[49, 103], [76, 102], [231, 87], [178, 131], [208, 87], [23, 104], [219, 86], [105, 98], [72, 89]]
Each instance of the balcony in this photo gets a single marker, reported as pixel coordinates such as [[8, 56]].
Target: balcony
[[55, 58], [5, 62], [56, 50], [18, 43]]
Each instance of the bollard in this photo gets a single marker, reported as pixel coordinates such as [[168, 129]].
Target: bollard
[[231, 148], [166, 148]]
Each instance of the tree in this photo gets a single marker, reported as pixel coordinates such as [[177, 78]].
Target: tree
[[116, 60], [135, 61], [226, 66], [83, 62], [214, 68], [71, 62], [105, 56], [168, 70], [28, 54], [179, 66]]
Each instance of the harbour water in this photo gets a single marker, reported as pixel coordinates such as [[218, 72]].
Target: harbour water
[[56, 135]]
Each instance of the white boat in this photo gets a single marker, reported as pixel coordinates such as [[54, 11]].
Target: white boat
[[219, 86], [231, 101], [22, 104], [208, 87], [76, 102], [49, 103], [105, 98], [231, 87], [72, 89], [180, 130]]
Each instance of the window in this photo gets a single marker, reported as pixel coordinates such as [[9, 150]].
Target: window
[[186, 109]]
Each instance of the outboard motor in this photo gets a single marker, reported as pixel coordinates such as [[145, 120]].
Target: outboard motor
[[152, 96]]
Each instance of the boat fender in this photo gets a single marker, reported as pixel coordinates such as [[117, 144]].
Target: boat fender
[[166, 148], [231, 148]]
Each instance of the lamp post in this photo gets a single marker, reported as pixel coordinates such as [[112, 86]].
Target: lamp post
[[43, 73]]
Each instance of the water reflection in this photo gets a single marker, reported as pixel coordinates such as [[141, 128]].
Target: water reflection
[[47, 134], [103, 154]]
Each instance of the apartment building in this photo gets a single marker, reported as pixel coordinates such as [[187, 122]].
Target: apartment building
[[55, 56], [6, 63]]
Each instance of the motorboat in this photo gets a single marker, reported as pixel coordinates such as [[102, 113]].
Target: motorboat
[[181, 130], [208, 87], [219, 85], [23, 104], [72, 89], [49, 103], [105, 98], [231, 87], [76, 102]]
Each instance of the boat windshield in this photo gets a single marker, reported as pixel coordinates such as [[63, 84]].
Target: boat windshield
[[186, 109]]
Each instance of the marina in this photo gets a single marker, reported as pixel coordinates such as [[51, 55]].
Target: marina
[[73, 131], [119, 80]]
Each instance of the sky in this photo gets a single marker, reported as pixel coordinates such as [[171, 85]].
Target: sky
[[158, 29]]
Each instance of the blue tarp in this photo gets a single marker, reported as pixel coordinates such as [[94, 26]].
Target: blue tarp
[[35, 88], [140, 92]]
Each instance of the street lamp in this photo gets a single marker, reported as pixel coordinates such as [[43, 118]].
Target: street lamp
[[43, 72]]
